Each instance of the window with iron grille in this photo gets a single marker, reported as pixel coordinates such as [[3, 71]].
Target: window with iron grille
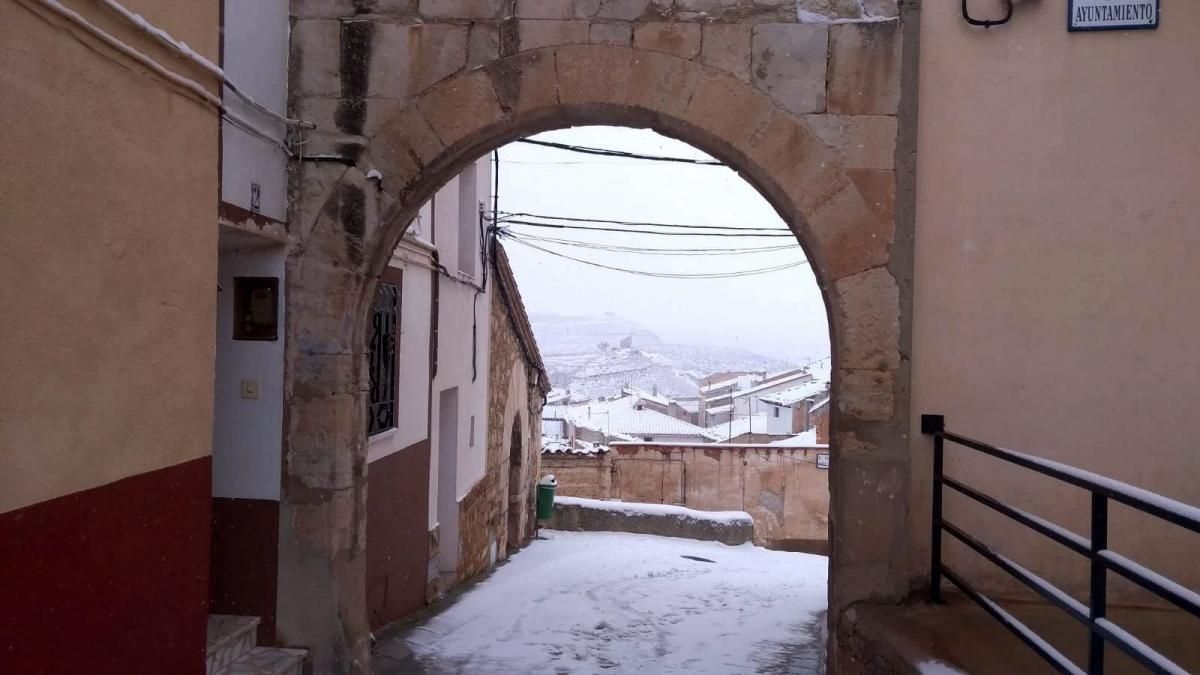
[[384, 350]]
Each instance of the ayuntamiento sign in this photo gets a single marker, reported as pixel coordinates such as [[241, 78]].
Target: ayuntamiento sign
[[1112, 14]]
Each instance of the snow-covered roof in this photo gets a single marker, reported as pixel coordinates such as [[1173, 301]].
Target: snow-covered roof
[[821, 370], [646, 396], [690, 405], [740, 426], [819, 404], [793, 395], [621, 417], [798, 376], [804, 439], [719, 385], [719, 410]]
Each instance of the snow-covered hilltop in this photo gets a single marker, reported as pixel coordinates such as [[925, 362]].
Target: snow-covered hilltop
[[598, 355]]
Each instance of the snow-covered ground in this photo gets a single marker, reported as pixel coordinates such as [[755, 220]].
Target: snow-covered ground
[[606, 602]]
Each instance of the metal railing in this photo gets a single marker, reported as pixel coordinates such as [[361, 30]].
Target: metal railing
[[1093, 614]]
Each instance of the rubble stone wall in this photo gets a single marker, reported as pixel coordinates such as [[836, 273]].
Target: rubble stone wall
[[495, 509]]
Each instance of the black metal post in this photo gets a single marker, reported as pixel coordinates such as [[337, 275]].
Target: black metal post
[[1099, 599], [935, 543], [935, 425]]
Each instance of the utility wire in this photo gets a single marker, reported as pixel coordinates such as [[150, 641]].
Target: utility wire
[[606, 152], [511, 214], [649, 250], [559, 226], [660, 275]]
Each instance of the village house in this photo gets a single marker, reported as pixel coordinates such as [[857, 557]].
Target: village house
[[791, 410], [455, 402], [428, 397]]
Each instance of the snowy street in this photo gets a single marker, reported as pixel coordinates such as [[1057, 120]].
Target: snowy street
[[606, 602]]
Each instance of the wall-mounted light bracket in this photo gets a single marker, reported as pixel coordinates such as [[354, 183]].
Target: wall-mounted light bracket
[[987, 23]]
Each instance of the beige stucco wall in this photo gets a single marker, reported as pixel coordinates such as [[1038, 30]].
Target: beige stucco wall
[[108, 195], [781, 487], [1058, 271]]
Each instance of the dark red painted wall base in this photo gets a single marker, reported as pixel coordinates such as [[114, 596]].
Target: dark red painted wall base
[[109, 580], [245, 560], [397, 533]]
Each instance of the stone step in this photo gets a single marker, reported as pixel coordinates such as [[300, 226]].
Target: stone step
[[229, 638], [267, 661]]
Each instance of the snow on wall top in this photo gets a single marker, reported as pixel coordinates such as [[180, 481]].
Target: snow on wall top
[[558, 446], [635, 508]]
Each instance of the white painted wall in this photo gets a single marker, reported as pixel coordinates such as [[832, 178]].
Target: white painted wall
[[781, 424], [255, 58], [247, 433], [464, 333], [462, 360], [412, 396]]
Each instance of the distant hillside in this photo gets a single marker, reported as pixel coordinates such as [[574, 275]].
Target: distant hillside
[[584, 354]]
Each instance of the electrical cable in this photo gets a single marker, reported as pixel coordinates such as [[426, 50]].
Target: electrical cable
[[605, 152], [663, 234], [635, 223], [187, 52], [645, 250], [187, 84], [660, 275]]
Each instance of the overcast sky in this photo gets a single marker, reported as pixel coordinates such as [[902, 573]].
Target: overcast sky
[[778, 314]]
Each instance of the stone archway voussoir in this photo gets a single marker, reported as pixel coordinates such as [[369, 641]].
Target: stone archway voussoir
[[662, 83], [591, 74], [459, 108], [525, 83], [729, 110]]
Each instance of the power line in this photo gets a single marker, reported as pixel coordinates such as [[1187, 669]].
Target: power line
[[649, 250], [660, 275], [575, 163], [559, 226], [636, 223], [606, 152]]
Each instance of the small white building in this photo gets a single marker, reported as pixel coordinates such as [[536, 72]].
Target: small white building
[[788, 411]]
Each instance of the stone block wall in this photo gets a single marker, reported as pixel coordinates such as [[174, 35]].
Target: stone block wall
[[479, 519], [356, 61]]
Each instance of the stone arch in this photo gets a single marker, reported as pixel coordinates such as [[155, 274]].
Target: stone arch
[[516, 471], [843, 217]]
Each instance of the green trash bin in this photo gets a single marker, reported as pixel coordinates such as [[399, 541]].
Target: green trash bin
[[545, 497]]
